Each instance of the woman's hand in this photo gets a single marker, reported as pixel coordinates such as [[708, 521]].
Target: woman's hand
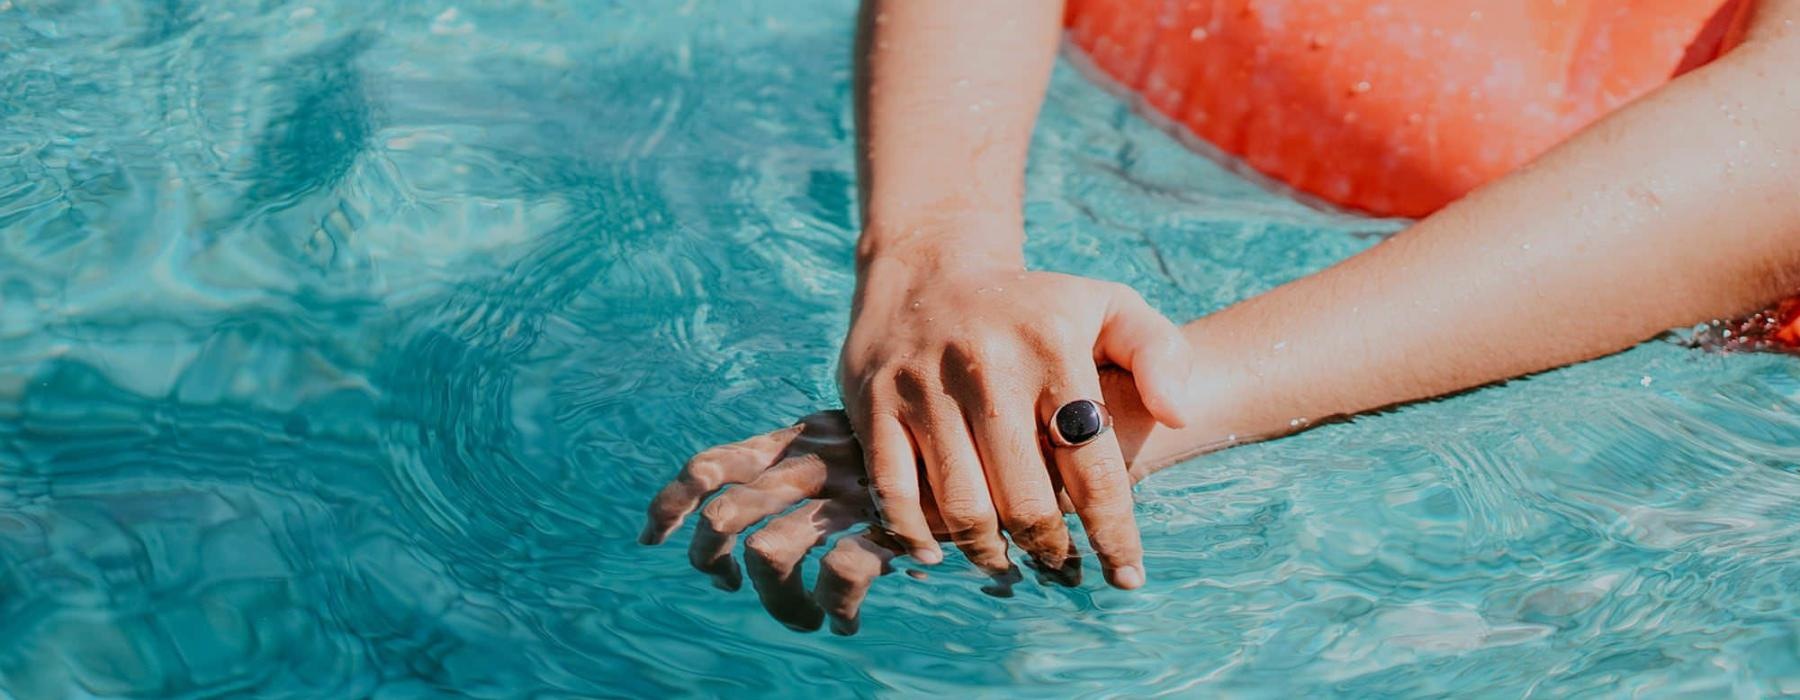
[[816, 463], [956, 361]]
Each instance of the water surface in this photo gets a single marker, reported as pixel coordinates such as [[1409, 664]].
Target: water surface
[[342, 343]]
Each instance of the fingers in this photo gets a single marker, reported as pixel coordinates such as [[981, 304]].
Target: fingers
[[710, 471], [846, 574], [956, 478], [1147, 344], [773, 556], [894, 485], [794, 480], [1099, 486], [1007, 440]]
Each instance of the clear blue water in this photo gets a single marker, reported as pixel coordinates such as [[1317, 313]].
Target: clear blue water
[[342, 344]]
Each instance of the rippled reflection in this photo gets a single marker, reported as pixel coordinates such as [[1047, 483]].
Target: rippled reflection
[[341, 344]]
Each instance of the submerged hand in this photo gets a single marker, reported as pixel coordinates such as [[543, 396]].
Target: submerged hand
[[959, 365], [817, 463]]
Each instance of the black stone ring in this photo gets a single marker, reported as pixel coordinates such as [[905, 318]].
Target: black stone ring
[[1078, 422]]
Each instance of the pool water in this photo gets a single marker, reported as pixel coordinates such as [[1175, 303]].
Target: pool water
[[342, 344]]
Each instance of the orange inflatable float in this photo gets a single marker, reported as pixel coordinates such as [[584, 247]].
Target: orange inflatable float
[[1397, 107]]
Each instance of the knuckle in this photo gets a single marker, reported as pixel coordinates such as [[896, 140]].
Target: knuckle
[[763, 548], [848, 562], [962, 513], [839, 562], [889, 488], [1104, 478], [665, 509], [979, 349], [975, 535], [1033, 528], [716, 516], [704, 469]]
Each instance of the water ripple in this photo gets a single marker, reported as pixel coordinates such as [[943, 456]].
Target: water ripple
[[341, 345]]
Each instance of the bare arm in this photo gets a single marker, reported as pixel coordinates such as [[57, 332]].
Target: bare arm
[[1682, 207], [956, 353], [947, 97]]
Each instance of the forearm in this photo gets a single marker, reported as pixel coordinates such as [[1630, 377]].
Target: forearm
[[948, 91], [1680, 208]]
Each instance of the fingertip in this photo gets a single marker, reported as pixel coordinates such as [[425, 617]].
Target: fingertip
[[1159, 400], [1172, 415], [651, 536], [1163, 381], [929, 555], [1129, 577]]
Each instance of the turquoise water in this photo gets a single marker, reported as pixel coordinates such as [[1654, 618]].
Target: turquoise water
[[342, 344]]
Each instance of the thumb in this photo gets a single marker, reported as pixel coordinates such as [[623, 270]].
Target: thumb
[[1139, 340]]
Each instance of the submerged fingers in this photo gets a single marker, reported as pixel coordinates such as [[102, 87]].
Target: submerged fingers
[[708, 472], [774, 555], [739, 507], [959, 484], [1022, 490], [846, 574], [894, 485]]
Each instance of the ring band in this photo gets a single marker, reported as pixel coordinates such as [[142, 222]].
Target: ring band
[[1078, 423]]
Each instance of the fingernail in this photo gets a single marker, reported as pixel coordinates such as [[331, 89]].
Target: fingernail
[[1127, 577], [927, 555], [650, 536]]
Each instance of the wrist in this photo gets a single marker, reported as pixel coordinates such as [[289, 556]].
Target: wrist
[[1216, 401], [938, 240]]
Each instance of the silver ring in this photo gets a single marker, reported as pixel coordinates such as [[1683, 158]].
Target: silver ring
[[1078, 423]]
